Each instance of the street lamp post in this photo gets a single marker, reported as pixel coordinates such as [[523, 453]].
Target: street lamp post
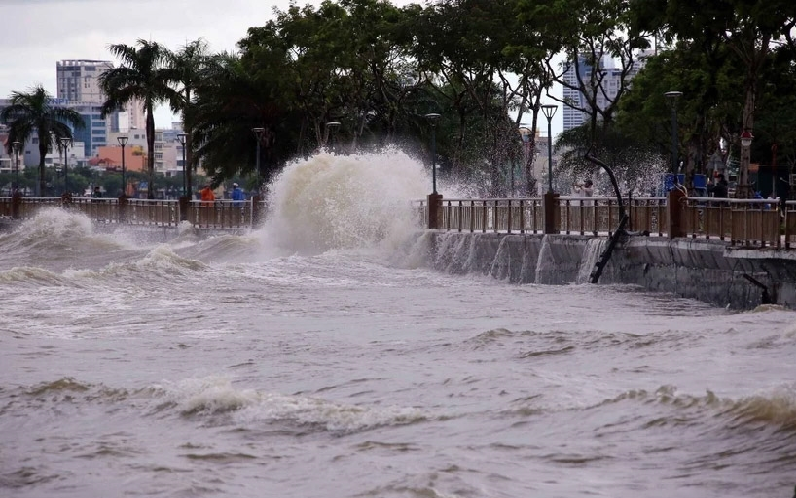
[[774, 176], [527, 158], [549, 111], [181, 137], [743, 177], [433, 117], [331, 131], [65, 141], [671, 100], [15, 147], [434, 199], [258, 132], [122, 139]]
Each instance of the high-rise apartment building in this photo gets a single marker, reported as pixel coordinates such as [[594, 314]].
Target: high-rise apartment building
[[611, 83], [135, 115], [77, 80]]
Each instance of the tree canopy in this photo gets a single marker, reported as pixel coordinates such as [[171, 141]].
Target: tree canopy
[[486, 66]]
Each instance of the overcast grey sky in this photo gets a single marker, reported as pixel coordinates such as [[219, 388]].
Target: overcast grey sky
[[34, 34]]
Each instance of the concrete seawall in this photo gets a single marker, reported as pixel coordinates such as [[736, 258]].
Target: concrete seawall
[[707, 270]]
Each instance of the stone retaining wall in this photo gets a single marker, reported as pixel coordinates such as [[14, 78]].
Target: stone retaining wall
[[707, 270]]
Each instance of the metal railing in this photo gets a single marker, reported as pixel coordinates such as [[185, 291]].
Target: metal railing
[[595, 215], [215, 215], [490, 215], [748, 222], [741, 222], [221, 214], [744, 222], [789, 225]]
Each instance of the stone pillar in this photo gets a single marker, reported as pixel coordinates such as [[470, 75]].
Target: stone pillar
[[551, 214], [122, 208], [674, 207], [185, 205], [434, 211], [16, 204]]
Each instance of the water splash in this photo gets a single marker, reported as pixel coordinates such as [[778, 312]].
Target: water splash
[[544, 262], [345, 202], [594, 247]]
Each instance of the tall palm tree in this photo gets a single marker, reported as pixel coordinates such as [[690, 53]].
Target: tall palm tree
[[143, 75], [33, 112], [189, 68]]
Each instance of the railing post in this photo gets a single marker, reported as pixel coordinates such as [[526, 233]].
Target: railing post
[[434, 211], [122, 208], [550, 212], [508, 218], [184, 204], [675, 209], [16, 204], [630, 210]]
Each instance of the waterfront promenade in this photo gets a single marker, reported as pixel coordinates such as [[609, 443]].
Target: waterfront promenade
[[751, 223], [674, 244]]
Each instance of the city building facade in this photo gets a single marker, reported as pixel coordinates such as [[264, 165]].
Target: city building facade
[[77, 80]]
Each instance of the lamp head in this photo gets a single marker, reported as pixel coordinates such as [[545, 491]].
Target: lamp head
[[258, 132], [122, 140], [433, 117], [549, 110], [672, 96], [181, 138], [333, 124], [16, 147], [746, 138], [65, 141]]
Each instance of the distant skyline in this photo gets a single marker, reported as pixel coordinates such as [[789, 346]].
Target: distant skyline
[[37, 33]]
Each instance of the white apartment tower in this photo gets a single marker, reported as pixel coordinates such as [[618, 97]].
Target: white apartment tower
[[77, 79], [611, 83], [135, 115]]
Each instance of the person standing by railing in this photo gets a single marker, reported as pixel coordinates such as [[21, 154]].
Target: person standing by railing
[[207, 195], [206, 207], [237, 196], [720, 188]]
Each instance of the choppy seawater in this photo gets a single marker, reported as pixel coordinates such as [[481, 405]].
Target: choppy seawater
[[319, 358]]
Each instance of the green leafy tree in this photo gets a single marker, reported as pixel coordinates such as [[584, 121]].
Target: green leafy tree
[[589, 32], [143, 76], [239, 96], [33, 112], [750, 30], [704, 111]]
